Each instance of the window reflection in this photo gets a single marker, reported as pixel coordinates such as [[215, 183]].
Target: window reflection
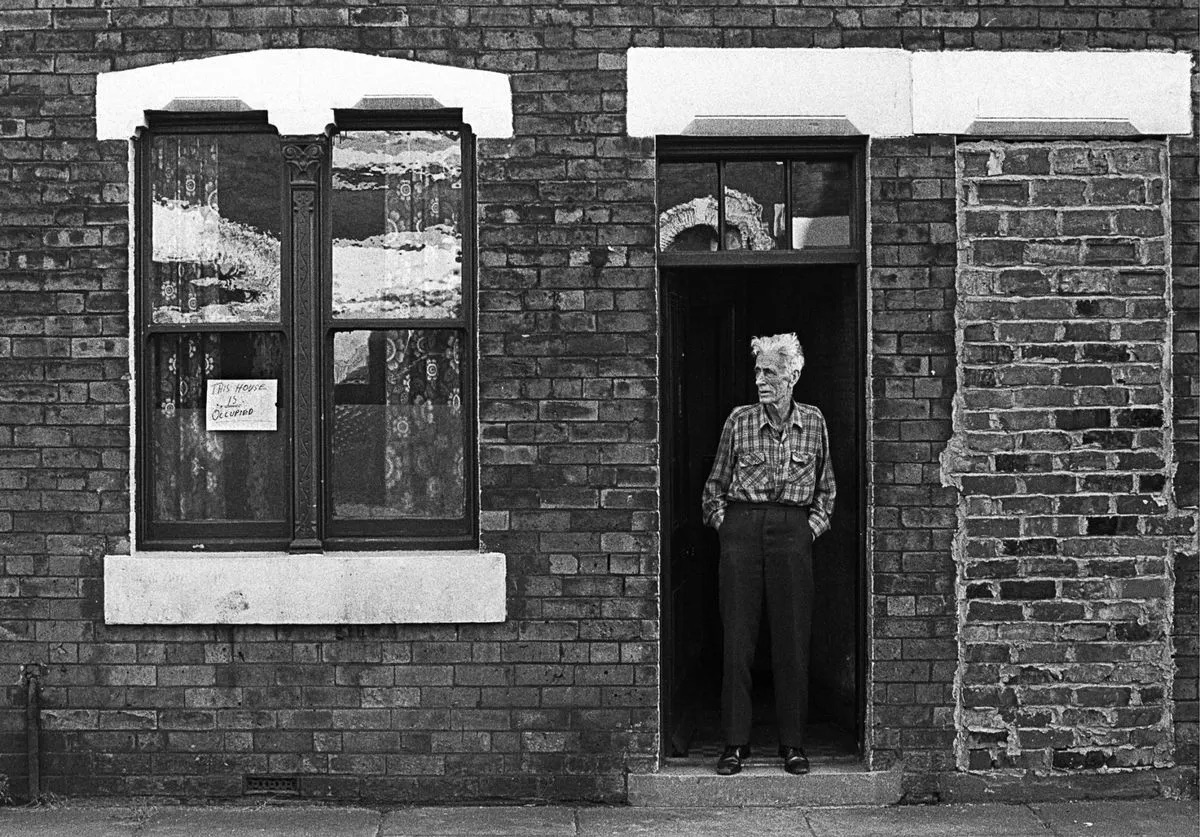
[[397, 224], [763, 200], [754, 208], [820, 204], [215, 228], [687, 206]]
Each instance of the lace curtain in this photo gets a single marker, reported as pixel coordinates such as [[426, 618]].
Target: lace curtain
[[206, 475], [184, 177], [398, 435], [424, 459]]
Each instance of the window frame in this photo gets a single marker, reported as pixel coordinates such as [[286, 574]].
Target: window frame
[[297, 377], [721, 150], [438, 533]]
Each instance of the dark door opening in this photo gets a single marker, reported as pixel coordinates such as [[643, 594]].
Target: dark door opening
[[710, 314]]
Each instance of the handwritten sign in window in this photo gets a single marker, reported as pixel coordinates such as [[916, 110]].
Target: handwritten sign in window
[[242, 405]]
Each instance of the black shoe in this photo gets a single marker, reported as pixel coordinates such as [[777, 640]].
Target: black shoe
[[795, 761], [731, 760]]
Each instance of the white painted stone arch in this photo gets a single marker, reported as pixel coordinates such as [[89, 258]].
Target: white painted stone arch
[[742, 213], [300, 88]]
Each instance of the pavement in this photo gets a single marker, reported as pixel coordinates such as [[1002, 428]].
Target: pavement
[[1153, 818]]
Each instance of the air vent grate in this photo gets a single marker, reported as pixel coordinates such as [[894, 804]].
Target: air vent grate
[[273, 785]]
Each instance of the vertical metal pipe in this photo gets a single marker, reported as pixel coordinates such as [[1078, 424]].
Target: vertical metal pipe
[[33, 729]]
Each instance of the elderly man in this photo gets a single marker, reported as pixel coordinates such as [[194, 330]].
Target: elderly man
[[769, 495]]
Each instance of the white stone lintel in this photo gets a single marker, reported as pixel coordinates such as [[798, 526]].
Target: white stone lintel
[[672, 87], [272, 588], [893, 92], [1149, 90], [300, 88]]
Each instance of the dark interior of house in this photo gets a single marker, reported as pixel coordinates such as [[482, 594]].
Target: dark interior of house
[[711, 315]]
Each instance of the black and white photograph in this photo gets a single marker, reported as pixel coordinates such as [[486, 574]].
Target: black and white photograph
[[571, 418]]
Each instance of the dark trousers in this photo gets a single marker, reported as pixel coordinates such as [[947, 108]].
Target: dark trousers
[[766, 558]]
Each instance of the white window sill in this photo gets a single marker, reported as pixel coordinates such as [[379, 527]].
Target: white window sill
[[273, 588]]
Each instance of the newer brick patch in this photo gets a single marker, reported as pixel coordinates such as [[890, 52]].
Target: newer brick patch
[[1062, 454]]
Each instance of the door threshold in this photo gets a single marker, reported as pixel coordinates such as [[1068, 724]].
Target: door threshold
[[693, 783]]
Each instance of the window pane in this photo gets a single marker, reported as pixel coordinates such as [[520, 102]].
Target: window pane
[[397, 224], [397, 425], [215, 227], [687, 206], [213, 475], [754, 213], [821, 204]]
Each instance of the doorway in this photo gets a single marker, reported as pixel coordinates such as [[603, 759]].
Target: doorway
[[709, 315]]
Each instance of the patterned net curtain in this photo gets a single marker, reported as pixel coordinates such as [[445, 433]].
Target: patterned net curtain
[[187, 459], [420, 200], [398, 441], [423, 461], [422, 197], [202, 475], [423, 464], [187, 212], [184, 180]]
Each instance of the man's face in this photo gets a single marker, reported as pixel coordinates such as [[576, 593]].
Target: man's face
[[773, 380]]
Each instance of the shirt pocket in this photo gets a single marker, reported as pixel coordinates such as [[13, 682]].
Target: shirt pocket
[[802, 469], [752, 472]]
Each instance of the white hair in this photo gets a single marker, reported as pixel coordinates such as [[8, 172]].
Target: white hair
[[786, 346]]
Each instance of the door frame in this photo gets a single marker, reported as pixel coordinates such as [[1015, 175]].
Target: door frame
[[696, 149]]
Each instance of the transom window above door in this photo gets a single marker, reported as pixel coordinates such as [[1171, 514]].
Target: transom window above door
[[780, 201]]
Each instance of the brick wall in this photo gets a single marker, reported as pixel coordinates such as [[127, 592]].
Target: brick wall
[[569, 429], [1185, 271], [1185, 294], [560, 700], [1062, 455], [913, 521]]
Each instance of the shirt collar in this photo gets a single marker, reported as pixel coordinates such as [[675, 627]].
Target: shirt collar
[[763, 421]]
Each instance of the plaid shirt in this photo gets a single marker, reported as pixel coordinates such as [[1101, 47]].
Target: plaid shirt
[[759, 464]]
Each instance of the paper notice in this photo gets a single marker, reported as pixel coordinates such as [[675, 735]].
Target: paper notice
[[242, 405]]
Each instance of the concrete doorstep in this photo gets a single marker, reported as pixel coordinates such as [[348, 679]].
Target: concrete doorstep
[[687, 783], [1153, 818]]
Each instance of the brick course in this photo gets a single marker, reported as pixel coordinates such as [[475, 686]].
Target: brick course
[[561, 700]]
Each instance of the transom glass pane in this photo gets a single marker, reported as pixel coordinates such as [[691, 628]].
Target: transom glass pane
[[397, 448], [754, 209], [397, 210], [207, 474], [215, 227], [821, 204], [687, 207]]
